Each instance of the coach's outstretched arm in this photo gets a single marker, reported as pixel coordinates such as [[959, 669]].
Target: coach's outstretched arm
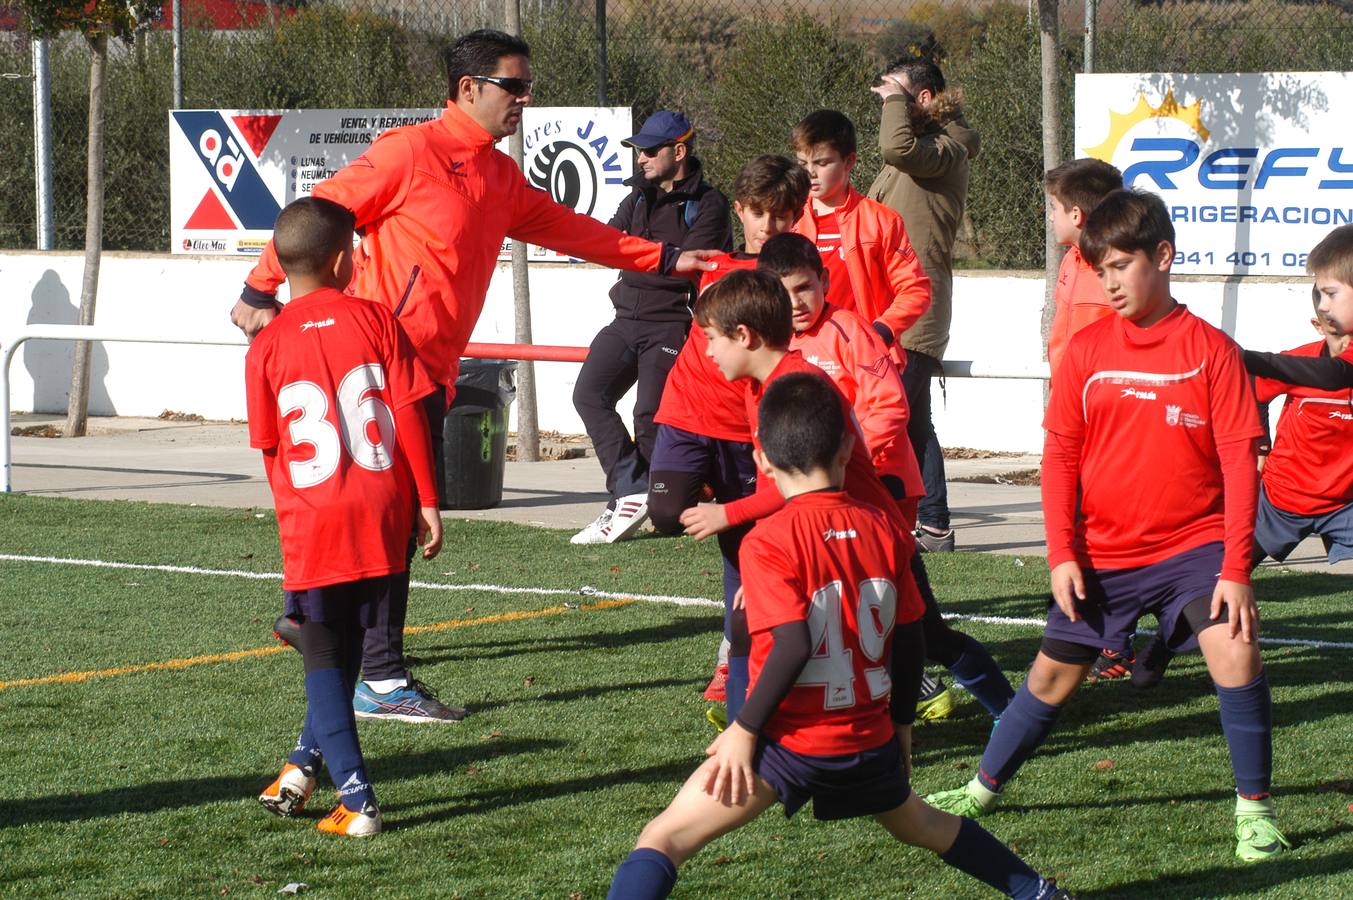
[[370, 188], [541, 220]]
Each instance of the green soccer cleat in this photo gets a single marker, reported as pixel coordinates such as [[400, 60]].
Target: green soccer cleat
[[1258, 837], [966, 801], [718, 717], [936, 701]]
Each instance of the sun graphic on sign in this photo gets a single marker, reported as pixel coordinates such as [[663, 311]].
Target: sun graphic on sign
[[1121, 123]]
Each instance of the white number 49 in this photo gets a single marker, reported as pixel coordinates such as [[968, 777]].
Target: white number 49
[[832, 663], [357, 408]]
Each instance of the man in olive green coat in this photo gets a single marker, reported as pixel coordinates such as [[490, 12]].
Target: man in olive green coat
[[927, 147]]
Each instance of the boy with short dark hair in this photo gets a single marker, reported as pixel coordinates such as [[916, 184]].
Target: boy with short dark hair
[[333, 389], [843, 345], [702, 435], [1307, 482], [1149, 488], [864, 244], [1074, 189], [823, 571]]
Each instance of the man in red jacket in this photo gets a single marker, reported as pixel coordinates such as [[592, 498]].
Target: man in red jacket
[[433, 203]]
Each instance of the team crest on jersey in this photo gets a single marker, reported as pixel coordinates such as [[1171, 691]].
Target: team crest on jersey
[[830, 366], [1175, 415]]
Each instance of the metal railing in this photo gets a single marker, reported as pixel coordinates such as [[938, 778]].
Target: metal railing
[[956, 368]]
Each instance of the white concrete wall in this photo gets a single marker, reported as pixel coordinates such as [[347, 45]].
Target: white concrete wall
[[996, 319]]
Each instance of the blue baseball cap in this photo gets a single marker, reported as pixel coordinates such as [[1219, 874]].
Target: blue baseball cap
[[663, 127]]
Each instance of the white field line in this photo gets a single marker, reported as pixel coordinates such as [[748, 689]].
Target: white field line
[[565, 592]]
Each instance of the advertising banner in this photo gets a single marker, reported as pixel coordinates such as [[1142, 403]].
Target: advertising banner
[[1253, 167], [232, 171]]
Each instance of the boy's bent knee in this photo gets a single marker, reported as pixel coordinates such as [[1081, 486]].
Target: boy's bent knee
[[669, 495]]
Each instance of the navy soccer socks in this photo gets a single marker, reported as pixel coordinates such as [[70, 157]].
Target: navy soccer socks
[[1247, 722], [981, 677], [643, 875], [331, 725], [977, 853], [307, 754], [1024, 725], [738, 679]]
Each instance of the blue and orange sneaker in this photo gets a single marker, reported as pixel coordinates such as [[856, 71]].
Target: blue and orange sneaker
[[411, 703]]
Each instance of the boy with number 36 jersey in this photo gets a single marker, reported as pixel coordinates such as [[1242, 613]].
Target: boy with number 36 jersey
[[333, 390]]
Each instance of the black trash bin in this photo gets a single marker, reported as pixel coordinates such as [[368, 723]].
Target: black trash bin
[[474, 435]]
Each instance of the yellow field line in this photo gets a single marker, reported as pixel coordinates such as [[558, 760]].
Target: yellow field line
[[236, 655]]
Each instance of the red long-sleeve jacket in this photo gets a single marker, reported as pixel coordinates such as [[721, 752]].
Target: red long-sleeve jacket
[[886, 277], [433, 203]]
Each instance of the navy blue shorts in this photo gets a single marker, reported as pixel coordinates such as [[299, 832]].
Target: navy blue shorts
[[841, 787], [337, 603], [727, 465], [1116, 598], [1277, 532]]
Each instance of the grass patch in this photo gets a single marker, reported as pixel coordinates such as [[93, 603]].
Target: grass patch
[[584, 721]]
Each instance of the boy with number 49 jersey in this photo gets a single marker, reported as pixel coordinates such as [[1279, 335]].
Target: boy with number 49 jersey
[[833, 618], [333, 389], [1149, 487]]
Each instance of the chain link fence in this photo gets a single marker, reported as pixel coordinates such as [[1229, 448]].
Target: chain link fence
[[744, 71]]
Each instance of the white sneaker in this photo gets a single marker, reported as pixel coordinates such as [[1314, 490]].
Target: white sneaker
[[630, 513], [597, 532]]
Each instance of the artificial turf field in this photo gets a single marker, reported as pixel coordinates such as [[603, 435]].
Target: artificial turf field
[[138, 781]]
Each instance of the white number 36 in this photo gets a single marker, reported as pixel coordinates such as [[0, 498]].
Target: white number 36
[[357, 408]]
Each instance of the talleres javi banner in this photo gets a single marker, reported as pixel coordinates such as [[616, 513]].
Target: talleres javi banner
[[231, 171]]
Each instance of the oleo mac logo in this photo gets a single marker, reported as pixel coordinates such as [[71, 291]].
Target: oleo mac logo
[[233, 174]]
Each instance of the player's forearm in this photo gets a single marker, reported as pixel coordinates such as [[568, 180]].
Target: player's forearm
[[906, 664], [1322, 373], [1060, 472], [1240, 497], [411, 426], [911, 297], [260, 286], [765, 501], [790, 649]]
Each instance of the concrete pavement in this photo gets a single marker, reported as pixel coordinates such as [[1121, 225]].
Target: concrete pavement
[[210, 464]]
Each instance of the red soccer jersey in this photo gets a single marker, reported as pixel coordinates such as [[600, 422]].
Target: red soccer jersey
[[1149, 408], [861, 481], [324, 381], [1310, 470], [833, 562], [697, 398], [843, 344], [839, 291]]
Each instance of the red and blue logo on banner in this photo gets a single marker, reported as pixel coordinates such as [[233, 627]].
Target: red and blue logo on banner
[[238, 194]]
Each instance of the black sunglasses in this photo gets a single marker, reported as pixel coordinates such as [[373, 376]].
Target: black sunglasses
[[517, 87], [654, 151]]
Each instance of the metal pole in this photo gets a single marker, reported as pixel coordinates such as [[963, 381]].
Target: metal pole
[[602, 74], [1050, 71], [1090, 9], [178, 53], [42, 144], [528, 422]]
